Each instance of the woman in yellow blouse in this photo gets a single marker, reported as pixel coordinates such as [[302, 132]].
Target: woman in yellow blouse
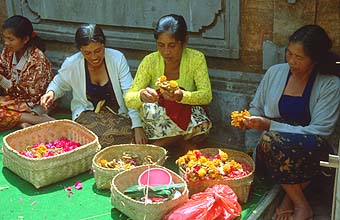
[[172, 115]]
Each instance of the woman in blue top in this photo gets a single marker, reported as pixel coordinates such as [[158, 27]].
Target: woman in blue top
[[297, 105]]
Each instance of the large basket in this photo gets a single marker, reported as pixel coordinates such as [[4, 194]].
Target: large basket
[[103, 176], [45, 171], [241, 186], [137, 210]]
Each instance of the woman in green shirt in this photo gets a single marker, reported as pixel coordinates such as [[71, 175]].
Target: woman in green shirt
[[172, 115]]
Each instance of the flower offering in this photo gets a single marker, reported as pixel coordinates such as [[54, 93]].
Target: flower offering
[[50, 149], [237, 117], [165, 84], [125, 162], [199, 166]]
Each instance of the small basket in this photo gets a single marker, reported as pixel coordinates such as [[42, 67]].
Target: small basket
[[241, 186], [103, 175], [139, 210], [45, 171]]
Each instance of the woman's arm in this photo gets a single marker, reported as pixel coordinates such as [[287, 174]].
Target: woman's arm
[[203, 93]]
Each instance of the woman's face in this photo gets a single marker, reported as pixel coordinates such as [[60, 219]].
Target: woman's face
[[170, 48], [13, 43], [94, 53], [298, 60]]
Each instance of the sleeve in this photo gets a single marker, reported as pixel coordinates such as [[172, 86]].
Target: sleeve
[[256, 106], [34, 83], [141, 81], [203, 93], [324, 114], [61, 82], [125, 82]]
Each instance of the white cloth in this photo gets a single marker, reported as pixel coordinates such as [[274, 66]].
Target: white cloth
[[324, 102], [71, 76]]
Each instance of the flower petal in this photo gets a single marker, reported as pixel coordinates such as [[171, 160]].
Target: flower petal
[[78, 185]]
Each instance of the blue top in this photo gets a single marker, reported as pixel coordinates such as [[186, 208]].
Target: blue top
[[295, 109], [96, 93]]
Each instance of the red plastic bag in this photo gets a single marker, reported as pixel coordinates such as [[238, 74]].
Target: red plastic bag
[[215, 203]]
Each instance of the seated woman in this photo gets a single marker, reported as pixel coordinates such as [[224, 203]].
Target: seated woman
[[25, 73], [98, 78], [172, 115], [297, 105]]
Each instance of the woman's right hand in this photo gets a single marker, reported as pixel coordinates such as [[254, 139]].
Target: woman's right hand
[[148, 95], [47, 100]]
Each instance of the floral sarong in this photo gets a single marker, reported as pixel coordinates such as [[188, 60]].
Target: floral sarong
[[157, 124], [290, 158]]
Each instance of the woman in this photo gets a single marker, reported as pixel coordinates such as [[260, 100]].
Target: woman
[[25, 73], [297, 105], [172, 115], [98, 77]]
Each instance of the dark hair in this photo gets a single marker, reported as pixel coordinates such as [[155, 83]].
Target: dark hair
[[174, 24], [317, 45], [21, 27], [88, 33]]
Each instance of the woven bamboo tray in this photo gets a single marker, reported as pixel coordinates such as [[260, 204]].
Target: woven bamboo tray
[[137, 210], [103, 175], [45, 171], [241, 186]]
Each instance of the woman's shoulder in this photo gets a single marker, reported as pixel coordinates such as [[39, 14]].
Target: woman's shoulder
[[72, 60], [113, 52], [329, 80], [192, 53]]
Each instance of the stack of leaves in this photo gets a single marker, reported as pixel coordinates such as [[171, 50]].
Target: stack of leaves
[[50, 149], [199, 166], [149, 194]]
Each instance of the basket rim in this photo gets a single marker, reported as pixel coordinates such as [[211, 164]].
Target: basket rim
[[185, 191], [6, 145], [251, 163], [109, 148]]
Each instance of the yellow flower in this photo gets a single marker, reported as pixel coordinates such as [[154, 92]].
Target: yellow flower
[[202, 172], [127, 166], [162, 78], [173, 84], [191, 163], [226, 168], [103, 162]]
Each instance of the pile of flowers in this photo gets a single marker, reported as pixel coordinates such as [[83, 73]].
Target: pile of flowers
[[125, 162], [50, 149], [199, 166], [237, 117]]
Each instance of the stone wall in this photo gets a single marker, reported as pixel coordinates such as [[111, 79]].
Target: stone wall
[[241, 38]]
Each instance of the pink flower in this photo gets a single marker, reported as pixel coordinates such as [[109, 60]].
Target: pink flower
[[78, 185]]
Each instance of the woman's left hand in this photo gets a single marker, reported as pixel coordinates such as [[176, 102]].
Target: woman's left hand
[[176, 95], [256, 122], [140, 137]]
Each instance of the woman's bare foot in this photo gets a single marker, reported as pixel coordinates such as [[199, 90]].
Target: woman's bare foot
[[302, 213], [285, 209], [24, 125]]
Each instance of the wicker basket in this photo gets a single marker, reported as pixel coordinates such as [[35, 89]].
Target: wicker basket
[[103, 176], [45, 171], [137, 210], [241, 186]]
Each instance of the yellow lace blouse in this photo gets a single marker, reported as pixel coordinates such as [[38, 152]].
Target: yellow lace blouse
[[193, 77]]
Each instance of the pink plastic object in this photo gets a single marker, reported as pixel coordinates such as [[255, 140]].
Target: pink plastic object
[[154, 177]]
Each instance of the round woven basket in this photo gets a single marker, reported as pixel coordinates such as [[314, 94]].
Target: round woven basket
[[103, 176], [241, 186], [139, 210]]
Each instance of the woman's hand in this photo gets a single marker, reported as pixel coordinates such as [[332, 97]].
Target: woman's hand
[[148, 95], [255, 122], [47, 100], [140, 137], [177, 95]]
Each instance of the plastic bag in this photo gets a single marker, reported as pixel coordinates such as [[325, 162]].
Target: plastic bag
[[215, 203]]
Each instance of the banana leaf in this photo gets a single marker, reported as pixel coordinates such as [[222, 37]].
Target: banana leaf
[[161, 191]]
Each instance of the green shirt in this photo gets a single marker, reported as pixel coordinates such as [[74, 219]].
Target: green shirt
[[193, 78]]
